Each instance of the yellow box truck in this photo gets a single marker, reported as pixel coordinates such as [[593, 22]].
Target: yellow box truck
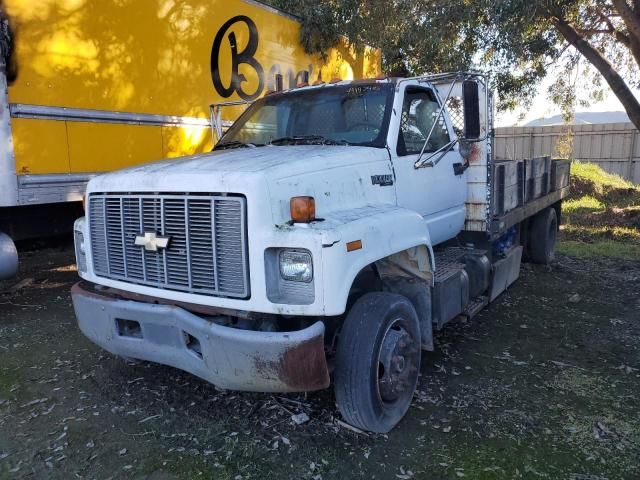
[[100, 85]]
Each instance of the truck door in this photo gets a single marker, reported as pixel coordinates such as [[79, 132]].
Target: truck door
[[438, 192]]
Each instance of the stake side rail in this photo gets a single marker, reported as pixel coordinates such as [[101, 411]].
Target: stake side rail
[[501, 224]]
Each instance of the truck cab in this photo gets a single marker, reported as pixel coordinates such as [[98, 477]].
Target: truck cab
[[329, 232]]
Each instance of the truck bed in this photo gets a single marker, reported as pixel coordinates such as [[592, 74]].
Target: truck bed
[[521, 188]]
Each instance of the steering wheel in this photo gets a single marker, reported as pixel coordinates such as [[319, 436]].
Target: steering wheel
[[417, 139]]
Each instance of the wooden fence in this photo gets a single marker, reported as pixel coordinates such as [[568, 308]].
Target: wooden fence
[[613, 146]]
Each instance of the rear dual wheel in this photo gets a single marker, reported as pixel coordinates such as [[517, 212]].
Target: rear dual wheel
[[543, 235], [377, 361]]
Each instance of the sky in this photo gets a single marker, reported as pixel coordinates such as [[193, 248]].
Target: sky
[[543, 107]]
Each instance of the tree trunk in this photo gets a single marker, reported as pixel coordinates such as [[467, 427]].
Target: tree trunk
[[632, 22], [7, 50], [615, 81]]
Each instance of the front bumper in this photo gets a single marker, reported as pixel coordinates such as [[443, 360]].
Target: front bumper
[[227, 357]]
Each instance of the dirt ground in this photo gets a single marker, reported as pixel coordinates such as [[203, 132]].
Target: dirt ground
[[545, 383]]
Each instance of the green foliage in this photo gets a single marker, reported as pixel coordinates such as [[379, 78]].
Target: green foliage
[[606, 248], [584, 204], [413, 36], [518, 41], [600, 179], [602, 216]]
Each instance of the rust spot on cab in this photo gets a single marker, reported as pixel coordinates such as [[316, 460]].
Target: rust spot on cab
[[474, 154]]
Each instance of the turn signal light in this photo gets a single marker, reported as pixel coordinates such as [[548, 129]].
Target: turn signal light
[[303, 209], [353, 246]]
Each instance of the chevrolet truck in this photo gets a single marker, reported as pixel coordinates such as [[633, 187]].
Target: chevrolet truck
[[330, 232]]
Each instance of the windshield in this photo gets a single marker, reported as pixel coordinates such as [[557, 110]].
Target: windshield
[[342, 114]]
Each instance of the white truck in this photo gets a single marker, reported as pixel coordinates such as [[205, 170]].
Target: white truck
[[333, 228]]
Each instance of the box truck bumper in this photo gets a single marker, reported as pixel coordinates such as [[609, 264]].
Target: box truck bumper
[[227, 357]]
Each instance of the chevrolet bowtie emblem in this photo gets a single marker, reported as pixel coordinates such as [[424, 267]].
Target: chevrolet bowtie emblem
[[152, 242]]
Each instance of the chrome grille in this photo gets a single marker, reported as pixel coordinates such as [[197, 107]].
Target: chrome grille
[[207, 247]]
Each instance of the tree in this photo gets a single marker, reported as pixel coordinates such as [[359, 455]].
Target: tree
[[408, 38], [518, 41], [613, 28], [7, 42]]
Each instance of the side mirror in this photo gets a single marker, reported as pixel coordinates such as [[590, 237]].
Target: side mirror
[[471, 100]]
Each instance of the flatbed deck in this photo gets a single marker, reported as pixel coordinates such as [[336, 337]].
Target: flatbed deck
[[508, 220]]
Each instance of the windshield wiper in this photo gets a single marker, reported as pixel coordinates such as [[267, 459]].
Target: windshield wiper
[[234, 144], [307, 139]]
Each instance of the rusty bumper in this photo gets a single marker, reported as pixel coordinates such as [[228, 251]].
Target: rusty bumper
[[227, 357]]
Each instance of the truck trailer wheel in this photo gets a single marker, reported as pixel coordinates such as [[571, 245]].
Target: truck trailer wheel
[[543, 234], [377, 361], [8, 257]]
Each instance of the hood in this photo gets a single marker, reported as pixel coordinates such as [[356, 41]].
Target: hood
[[277, 159], [332, 174]]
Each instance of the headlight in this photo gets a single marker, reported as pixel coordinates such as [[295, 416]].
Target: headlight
[[81, 255], [289, 276], [296, 266]]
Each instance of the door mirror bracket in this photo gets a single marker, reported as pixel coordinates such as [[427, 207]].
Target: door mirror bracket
[[440, 153]]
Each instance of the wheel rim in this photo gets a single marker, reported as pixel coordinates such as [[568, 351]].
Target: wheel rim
[[397, 370]]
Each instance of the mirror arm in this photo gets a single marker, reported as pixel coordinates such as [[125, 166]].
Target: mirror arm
[[435, 122], [427, 162]]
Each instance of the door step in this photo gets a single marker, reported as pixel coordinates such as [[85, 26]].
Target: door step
[[453, 285], [475, 306]]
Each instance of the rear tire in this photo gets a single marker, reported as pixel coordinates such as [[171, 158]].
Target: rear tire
[[8, 257], [543, 234], [377, 361]]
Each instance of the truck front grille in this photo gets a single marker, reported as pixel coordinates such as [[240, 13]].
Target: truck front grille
[[206, 252]]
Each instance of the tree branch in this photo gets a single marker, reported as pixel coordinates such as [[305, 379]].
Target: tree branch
[[632, 22], [344, 48], [594, 31], [629, 17], [619, 36], [612, 77]]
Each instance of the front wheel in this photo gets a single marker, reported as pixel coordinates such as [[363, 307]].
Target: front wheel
[[377, 361]]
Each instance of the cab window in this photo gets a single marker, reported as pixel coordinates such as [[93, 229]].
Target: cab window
[[419, 112]]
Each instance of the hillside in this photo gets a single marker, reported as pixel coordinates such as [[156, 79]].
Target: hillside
[[602, 215], [581, 118]]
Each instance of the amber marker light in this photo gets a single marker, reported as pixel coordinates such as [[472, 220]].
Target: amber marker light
[[303, 209], [84, 202], [355, 245]]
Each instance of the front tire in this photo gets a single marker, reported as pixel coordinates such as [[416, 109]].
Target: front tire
[[377, 361]]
